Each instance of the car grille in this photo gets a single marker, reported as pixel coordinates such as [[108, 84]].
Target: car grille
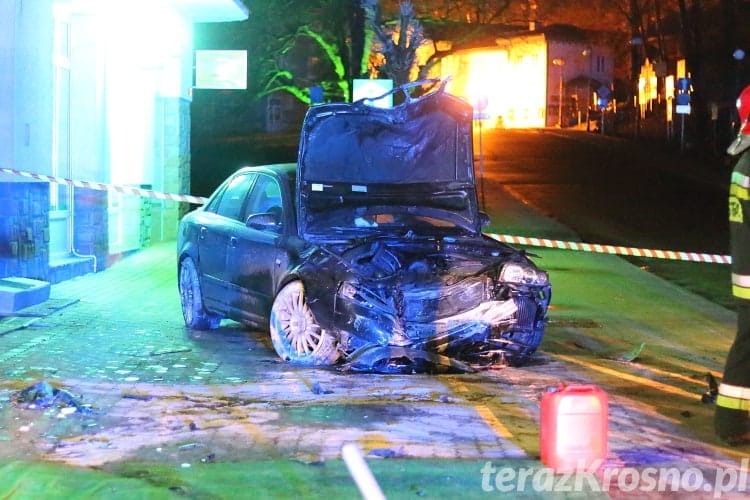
[[423, 305], [526, 313]]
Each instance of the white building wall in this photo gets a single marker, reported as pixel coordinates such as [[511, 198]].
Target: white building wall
[[32, 94], [7, 91], [130, 67]]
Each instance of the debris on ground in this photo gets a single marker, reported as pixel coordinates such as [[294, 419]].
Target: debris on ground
[[318, 389], [630, 356], [713, 389], [45, 395], [387, 453]]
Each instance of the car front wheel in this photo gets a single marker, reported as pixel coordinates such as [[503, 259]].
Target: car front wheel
[[295, 333], [195, 315]]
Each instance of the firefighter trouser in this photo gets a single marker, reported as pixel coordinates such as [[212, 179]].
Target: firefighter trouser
[[732, 419]]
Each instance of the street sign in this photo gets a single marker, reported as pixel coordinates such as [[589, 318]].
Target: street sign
[[683, 84], [364, 88], [682, 109], [316, 94], [480, 103], [682, 99]]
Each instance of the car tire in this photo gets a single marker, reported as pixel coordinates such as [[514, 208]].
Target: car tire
[[193, 311], [296, 334]]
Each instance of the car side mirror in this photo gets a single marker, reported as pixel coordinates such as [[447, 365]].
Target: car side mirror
[[484, 219], [263, 221]]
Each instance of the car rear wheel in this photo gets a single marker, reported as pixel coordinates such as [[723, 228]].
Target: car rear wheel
[[195, 315], [295, 333]]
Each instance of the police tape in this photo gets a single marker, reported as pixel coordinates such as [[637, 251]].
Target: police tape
[[505, 238], [147, 193], [612, 249]]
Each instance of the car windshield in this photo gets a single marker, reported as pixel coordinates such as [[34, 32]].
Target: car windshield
[[386, 220]]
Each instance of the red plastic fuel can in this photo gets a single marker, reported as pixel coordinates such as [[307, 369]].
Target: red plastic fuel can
[[574, 427]]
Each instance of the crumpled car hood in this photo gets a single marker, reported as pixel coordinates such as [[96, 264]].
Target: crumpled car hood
[[418, 261], [416, 154]]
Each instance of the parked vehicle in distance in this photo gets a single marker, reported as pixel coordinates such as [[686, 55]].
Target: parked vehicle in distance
[[369, 251]]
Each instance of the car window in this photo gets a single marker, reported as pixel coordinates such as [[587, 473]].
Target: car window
[[233, 198], [265, 198]]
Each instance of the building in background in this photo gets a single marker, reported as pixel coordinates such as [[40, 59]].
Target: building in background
[[532, 79], [94, 90]]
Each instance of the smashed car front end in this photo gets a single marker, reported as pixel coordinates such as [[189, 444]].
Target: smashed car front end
[[440, 306], [389, 197]]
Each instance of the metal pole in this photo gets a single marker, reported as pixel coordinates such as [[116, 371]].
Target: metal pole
[[682, 132], [558, 61], [481, 165], [560, 100]]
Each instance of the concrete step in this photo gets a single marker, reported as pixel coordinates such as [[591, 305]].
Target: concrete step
[[17, 293], [69, 267]]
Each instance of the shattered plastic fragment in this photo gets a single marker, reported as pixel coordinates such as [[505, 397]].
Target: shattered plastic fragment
[[386, 453], [404, 360], [44, 395], [318, 389], [632, 355], [713, 389]]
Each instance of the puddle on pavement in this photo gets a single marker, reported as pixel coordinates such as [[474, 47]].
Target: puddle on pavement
[[346, 415]]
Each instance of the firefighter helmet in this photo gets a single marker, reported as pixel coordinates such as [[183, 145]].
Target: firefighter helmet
[[742, 142]]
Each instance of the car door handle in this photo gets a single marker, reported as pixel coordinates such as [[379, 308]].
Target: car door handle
[[204, 232], [233, 242]]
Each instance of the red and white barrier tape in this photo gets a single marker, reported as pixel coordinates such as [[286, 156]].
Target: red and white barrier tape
[[505, 238], [612, 249], [148, 193]]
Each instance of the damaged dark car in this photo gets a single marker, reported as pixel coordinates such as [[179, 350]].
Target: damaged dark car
[[369, 251]]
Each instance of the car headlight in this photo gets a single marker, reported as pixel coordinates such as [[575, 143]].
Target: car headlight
[[523, 275], [361, 296]]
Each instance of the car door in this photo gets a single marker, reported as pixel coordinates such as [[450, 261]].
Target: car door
[[217, 227], [256, 251]]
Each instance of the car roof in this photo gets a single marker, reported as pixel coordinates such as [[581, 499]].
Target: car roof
[[275, 168]]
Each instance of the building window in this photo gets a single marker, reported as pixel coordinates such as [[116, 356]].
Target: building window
[[600, 64], [61, 116]]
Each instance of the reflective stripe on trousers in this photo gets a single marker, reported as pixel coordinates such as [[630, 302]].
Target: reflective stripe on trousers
[[734, 397], [741, 286]]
